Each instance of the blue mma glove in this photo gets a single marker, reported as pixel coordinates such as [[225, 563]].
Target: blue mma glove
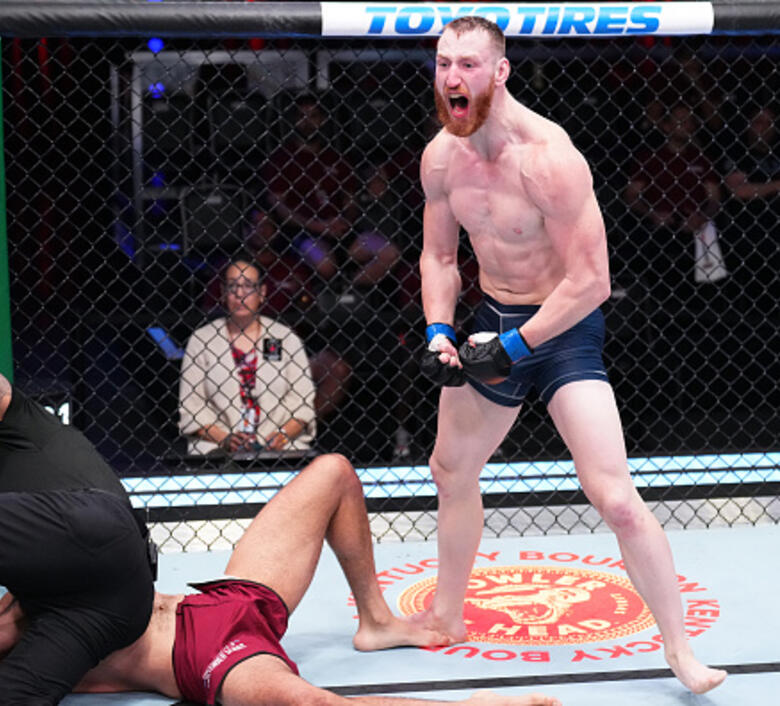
[[488, 357], [440, 373]]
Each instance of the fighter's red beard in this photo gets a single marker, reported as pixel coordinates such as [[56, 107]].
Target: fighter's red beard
[[479, 109]]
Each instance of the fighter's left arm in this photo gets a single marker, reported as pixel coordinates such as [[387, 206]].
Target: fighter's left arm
[[559, 182]]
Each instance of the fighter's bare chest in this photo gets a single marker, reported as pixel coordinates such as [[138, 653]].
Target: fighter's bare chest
[[491, 197]]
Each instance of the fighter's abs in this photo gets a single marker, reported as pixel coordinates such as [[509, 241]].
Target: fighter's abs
[[514, 253]]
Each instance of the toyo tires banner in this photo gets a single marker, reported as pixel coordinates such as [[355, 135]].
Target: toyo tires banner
[[519, 19]]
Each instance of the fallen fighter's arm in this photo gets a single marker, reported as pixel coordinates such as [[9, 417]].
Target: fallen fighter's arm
[[268, 681], [12, 623], [5, 395]]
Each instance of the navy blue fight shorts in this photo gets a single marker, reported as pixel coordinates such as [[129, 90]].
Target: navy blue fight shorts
[[573, 355]]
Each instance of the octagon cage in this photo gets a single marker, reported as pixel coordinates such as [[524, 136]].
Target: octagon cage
[[138, 169]]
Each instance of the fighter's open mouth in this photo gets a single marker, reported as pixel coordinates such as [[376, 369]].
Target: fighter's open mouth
[[459, 106]]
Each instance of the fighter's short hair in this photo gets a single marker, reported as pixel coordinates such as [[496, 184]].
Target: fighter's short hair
[[472, 23]]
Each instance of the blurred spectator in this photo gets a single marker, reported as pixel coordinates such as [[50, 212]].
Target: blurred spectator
[[699, 84], [674, 192], [291, 296], [403, 173], [372, 253], [752, 175], [363, 319], [290, 282], [341, 226], [246, 383], [312, 188], [344, 228], [376, 261]]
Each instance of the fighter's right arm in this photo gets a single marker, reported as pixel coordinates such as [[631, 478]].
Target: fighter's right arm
[[439, 270], [439, 260]]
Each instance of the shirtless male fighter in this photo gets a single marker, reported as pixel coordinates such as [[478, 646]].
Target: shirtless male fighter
[[220, 645], [514, 181]]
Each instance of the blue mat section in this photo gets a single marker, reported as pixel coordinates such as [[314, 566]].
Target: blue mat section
[[732, 571], [735, 567]]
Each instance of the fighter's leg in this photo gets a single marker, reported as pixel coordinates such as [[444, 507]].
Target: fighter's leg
[[282, 546], [470, 428], [587, 418]]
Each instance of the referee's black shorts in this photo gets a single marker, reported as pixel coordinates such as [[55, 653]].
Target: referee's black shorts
[[77, 562]]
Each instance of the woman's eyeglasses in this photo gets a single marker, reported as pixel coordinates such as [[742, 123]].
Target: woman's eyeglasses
[[241, 287]]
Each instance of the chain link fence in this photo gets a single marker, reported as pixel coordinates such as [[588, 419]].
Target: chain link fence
[[137, 173]]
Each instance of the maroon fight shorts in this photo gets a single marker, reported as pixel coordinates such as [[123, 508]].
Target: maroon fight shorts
[[228, 622]]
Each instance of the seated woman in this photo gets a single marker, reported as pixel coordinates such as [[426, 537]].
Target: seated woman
[[246, 382]]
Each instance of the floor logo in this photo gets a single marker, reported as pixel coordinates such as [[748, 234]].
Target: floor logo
[[542, 605]]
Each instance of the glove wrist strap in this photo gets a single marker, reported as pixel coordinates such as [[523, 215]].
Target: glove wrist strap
[[515, 345], [432, 330]]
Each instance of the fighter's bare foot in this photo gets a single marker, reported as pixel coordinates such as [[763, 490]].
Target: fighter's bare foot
[[489, 698], [697, 677], [455, 630], [395, 632]]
